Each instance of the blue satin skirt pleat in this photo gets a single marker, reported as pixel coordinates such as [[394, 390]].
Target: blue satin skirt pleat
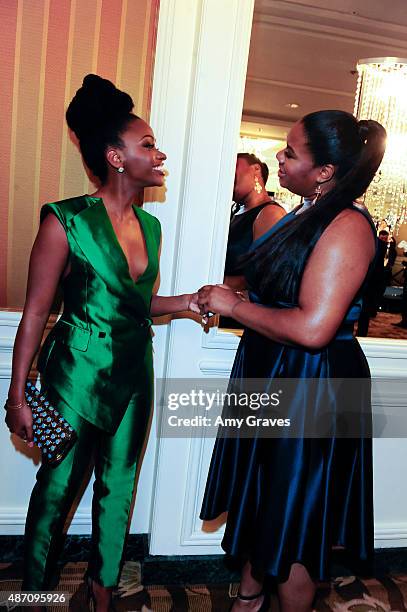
[[292, 499]]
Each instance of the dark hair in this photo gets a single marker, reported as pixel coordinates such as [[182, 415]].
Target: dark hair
[[251, 160], [98, 114], [384, 233], [356, 149]]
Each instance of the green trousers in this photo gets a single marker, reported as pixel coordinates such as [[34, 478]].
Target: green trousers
[[115, 460]]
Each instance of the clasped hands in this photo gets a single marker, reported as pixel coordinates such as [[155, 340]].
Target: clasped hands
[[217, 299]]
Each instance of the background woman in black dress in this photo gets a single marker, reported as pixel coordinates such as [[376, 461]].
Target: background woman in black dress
[[253, 214], [290, 500]]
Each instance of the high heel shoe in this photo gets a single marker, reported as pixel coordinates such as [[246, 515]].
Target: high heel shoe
[[265, 605], [91, 598], [90, 595]]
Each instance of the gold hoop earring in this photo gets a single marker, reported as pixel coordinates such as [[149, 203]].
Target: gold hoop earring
[[257, 187]]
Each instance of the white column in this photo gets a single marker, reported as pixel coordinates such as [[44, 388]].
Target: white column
[[201, 62]]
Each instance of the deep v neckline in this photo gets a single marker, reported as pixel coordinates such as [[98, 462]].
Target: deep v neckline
[[117, 242]]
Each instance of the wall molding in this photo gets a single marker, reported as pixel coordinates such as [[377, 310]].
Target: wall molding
[[374, 348], [16, 517], [339, 21], [214, 368], [386, 535], [298, 86], [385, 532], [388, 363], [330, 33], [9, 322]]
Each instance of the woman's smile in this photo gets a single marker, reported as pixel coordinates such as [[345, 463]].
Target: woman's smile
[[159, 168]]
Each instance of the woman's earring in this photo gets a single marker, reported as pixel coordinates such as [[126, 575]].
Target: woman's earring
[[257, 187], [318, 192], [120, 169]]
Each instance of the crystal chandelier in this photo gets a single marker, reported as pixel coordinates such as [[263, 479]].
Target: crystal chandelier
[[381, 95]]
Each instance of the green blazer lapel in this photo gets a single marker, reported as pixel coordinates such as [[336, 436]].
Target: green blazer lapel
[[93, 232]]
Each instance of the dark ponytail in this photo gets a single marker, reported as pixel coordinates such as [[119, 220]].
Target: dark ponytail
[[98, 114], [356, 149]]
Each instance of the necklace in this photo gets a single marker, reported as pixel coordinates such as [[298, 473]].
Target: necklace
[[306, 204]]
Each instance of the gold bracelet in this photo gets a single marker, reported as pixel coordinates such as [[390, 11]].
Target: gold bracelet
[[8, 406]]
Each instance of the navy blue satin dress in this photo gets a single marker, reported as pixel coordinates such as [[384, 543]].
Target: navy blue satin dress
[[292, 499]]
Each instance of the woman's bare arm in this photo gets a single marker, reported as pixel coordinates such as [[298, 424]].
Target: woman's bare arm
[[332, 277], [163, 305], [48, 260], [267, 217]]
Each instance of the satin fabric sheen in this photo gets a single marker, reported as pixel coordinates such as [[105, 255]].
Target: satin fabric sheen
[[96, 365], [115, 458], [94, 354], [291, 500]]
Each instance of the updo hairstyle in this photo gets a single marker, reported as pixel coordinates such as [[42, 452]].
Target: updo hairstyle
[[98, 114]]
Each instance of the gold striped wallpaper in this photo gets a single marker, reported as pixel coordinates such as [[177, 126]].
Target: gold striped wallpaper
[[48, 46]]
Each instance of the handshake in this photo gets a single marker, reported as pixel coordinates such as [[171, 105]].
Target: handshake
[[216, 299]]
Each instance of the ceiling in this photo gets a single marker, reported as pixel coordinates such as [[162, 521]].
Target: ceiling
[[305, 53]]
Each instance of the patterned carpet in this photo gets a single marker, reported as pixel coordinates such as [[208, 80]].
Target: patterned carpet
[[382, 326], [350, 594]]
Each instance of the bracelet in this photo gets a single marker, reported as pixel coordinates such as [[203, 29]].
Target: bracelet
[[8, 406], [239, 301]]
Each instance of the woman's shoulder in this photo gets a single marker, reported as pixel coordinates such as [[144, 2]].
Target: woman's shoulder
[[148, 217], [352, 226], [354, 216], [64, 209], [152, 222], [267, 218], [271, 210]]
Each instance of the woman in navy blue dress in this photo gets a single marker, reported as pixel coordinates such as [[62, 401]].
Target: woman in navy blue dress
[[290, 500]]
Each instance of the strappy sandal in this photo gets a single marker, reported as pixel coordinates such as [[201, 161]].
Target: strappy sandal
[[265, 604]]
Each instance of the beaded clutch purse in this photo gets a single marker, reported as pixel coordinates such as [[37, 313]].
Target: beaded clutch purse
[[52, 433]]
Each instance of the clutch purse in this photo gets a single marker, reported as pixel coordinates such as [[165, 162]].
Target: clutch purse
[[52, 433]]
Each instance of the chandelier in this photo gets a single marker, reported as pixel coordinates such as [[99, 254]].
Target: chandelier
[[381, 94]]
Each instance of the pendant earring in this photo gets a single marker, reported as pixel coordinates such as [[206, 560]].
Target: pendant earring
[[318, 192], [257, 187], [120, 169]]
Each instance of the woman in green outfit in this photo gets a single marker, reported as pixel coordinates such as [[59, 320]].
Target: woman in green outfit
[[96, 363]]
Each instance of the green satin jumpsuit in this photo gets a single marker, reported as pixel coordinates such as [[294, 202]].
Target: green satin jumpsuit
[[97, 367]]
